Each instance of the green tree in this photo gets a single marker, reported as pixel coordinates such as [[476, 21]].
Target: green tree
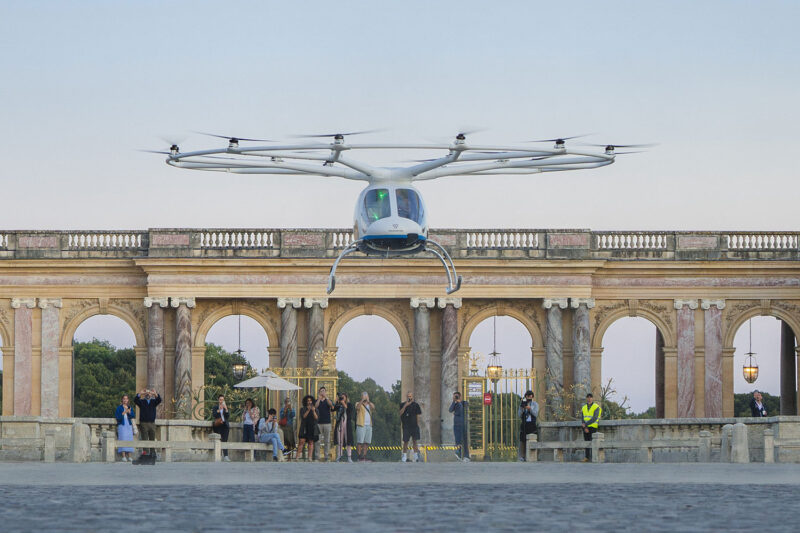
[[103, 374], [741, 404]]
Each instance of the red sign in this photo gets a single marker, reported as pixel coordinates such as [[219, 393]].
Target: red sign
[[487, 398]]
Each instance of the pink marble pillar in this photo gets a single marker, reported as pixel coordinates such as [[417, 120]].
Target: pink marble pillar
[[685, 348], [23, 348], [449, 364], [713, 356], [183, 356], [50, 341], [155, 346]]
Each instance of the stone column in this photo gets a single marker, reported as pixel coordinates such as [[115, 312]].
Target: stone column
[[51, 333], [23, 353], [289, 330], [685, 348], [316, 328], [155, 345], [712, 323], [553, 349], [422, 362], [449, 363], [659, 374], [788, 371], [183, 356], [581, 347]]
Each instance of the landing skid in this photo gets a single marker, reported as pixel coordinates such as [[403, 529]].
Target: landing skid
[[453, 279]]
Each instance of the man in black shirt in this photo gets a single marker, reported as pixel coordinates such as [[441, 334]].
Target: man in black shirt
[[409, 416], [324, 407], [147, 400]]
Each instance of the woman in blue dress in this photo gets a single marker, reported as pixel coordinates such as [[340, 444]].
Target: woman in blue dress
[[125, 419]]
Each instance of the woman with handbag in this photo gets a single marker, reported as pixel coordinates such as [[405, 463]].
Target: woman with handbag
[[343, 431], [286, 423], [220, 425], [250, 417], [309, 429], [126, 427]]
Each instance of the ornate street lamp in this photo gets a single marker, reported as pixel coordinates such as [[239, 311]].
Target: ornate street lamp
[[750, 368], [239, 369], [494, 370]]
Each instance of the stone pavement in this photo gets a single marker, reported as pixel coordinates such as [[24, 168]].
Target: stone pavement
[[398, 497]]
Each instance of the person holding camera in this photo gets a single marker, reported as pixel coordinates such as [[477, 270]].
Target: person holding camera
[[457, 408], [409, 416], [323, 407], [147, 400], [268, 433], [343, 432], [527, 412], [365, 410], [309, 429], [220, 424]]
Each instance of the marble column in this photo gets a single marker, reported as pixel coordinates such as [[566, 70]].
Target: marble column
[[449, 363], [581, 347], [712, 324], [51, 333], [660, 371], [316, 328], [289, 330], [553, 350], [422, 362], [183, 356], [23, 353], [155, 345], [685, 355], [788, 371]]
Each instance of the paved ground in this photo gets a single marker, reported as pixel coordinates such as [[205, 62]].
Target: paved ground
[[398, 497]]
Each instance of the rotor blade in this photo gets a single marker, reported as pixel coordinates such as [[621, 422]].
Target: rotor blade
[[228, 137], [154, 152], [173, 139], [559, 138], [648, 145], [343, 134], [630, 152]]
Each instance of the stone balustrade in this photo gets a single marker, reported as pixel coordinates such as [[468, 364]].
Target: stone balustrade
[[460, 243]]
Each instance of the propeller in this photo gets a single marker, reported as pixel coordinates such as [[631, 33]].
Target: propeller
[[612, 147], [339, 135], [559, 140], [155, 152], [233, 138]]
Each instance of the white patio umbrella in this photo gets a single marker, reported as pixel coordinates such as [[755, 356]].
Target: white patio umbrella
[[268, 380]]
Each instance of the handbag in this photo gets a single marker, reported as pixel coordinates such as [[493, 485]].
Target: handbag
[[217, 422], [134, 429], [284, 421], [315, 432]]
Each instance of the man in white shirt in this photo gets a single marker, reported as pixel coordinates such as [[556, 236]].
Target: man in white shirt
[[365, 410]]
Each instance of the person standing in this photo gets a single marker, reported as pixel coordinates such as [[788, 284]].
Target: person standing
[[268, 434], [126, 417], [591, 417], [365, 410], [287, 423], [757, 407], [409, 416], [250, 416], [220, 424], [527, 413], [457, 408], [309, 429], [323, 407], [343, 432], [147, 400]]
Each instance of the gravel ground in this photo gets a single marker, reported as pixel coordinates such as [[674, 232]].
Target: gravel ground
[[393, 497]]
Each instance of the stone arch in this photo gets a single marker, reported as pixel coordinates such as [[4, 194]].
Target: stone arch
[[537, 340], [656, 320], [757, 310], [230, 309], [368, 309], [120, 312]]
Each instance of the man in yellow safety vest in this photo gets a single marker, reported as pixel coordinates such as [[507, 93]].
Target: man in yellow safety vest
[[591, 416]]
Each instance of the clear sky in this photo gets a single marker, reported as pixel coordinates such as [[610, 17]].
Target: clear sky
[[85, 84]]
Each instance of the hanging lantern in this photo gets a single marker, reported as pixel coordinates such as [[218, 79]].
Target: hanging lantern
[[494, 370], [239, 370], [750, 368]]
